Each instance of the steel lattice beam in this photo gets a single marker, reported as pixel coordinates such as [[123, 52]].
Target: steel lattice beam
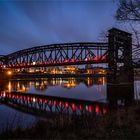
[[57, 55]]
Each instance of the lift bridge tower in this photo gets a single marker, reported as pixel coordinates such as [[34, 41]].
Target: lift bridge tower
[[120, 53], [121, 66]]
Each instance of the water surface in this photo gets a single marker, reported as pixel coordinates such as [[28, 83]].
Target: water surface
[[89, 89]]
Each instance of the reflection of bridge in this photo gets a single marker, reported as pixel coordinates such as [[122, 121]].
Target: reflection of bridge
[[122, 94], [117, 94], [42, 103], [117, 50]]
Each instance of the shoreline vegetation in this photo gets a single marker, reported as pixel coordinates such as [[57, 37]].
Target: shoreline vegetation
[[120, 123]]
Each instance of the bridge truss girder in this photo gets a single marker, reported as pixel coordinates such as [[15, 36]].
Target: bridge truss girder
[[58, 54], [117, 50]]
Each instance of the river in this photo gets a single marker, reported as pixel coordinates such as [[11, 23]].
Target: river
[[94, 91]]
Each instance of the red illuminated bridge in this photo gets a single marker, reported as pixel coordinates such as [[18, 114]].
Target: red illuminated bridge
[[57, 55], [117, 50]]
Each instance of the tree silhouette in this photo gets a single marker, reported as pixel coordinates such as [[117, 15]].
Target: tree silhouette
[[129, 10]]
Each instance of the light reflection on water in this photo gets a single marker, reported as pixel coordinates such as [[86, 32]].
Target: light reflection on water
[[90, 89], [86, 89]]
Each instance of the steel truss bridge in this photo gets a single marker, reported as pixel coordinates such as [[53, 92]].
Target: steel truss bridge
[[62, 54], [58, 55], [118, 49], [33, 103]]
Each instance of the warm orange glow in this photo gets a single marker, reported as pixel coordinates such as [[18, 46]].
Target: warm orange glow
[[9, 87], [4, 66], [9, 73], [34, 99]]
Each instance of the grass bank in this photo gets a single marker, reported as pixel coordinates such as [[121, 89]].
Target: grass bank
[[122, 123]]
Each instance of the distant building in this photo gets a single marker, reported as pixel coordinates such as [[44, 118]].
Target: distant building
[[69, 70], [95, 70]]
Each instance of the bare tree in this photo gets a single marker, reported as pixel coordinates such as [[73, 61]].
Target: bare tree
[[136, 35], [103, 36], [129, 10]]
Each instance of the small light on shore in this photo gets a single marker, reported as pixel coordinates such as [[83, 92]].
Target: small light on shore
[[9, 73]]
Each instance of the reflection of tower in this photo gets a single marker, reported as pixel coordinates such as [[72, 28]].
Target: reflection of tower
[[120, 93]]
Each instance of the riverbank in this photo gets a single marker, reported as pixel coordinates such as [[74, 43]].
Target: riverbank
[[121, 123], [44, 75]]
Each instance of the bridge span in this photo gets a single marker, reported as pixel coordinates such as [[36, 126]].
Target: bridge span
[[58, 55], [115, 53]]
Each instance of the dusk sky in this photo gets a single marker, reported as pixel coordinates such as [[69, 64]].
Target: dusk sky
[[29, 23]]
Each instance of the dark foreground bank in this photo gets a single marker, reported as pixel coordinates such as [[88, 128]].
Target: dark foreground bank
[[122, 123]]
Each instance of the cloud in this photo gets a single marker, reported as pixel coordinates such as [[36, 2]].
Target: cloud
[[31, 23]]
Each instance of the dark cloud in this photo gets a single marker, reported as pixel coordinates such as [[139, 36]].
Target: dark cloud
[[26, 24]]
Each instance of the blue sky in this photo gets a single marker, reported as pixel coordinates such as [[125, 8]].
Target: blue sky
[[29, 23]]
